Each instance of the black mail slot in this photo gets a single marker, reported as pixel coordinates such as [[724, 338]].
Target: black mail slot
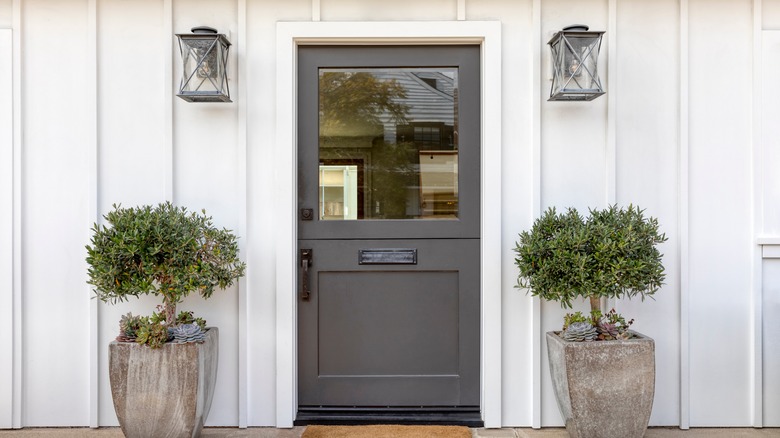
[[390, 256]]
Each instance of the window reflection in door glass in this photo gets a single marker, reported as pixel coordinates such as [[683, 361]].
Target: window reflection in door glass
[[388, 143]]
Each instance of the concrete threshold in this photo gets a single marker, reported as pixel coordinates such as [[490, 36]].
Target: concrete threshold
[[269, 432]]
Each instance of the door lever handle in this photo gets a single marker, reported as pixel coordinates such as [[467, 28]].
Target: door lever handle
[[306, 259]]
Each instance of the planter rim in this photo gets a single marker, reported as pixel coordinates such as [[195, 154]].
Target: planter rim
[[638, 337], [209, 331]]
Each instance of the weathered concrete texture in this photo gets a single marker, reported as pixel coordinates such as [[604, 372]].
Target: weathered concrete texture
[[494, 433], [604, 389], [165, 392], [115, 432], [296, 432]]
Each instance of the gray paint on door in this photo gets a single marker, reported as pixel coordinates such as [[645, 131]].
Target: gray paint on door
[[391, 334]]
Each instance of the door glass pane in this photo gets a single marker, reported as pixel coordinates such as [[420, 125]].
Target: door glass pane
[[388, 143]]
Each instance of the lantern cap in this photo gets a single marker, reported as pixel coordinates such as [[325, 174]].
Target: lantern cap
[[575, 30], [203, 32], [203, 29], [573, 27]]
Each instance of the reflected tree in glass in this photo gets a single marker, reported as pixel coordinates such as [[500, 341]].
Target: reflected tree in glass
[[358, 102], [381, 122]]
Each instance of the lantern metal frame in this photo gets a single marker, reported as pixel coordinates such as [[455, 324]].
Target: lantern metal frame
[[576, 69], [211, 66]]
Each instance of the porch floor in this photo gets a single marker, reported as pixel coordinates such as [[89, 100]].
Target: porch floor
[[267, 432]]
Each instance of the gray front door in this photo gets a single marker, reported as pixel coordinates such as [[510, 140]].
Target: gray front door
[[389, 250]]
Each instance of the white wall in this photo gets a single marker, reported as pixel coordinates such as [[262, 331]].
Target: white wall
[[54, 213], [134, 151], [769, 216], [770, 152], [623, 147], [6, 229], [6, 16], [646, 170], [771, 328], [720, 205]]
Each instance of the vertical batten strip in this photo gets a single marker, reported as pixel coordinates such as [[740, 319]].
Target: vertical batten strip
[[611, 152], [17, 216], [92, 197], [241, 63], [6, 228], [316, 10], [685, 388], [167, 146], [536, 208], [611, 147], [461, 10], [757, 212]]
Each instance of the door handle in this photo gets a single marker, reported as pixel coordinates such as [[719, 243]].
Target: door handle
[[306, 259]]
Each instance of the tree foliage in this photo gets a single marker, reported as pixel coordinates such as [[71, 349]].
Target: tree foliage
[[358, 101], [164, 251], [613, 253]]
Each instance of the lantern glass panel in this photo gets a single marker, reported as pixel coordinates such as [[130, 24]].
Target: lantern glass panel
[[204, 68], [575, 66]]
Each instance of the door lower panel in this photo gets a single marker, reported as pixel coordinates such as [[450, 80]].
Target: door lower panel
[[374, 321], [390, 335]]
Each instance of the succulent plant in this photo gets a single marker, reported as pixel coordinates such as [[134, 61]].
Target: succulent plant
[[128, 327], [571, 318], [153, 334], [612, 325], [187, 317], [608, 328], [188, 333], [580, 331]]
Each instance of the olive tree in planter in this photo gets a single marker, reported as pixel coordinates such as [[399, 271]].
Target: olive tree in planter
[[162, 368], [603, 388]]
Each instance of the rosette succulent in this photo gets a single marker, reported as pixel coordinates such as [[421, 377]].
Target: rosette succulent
[[188, 333], [579, 332], [128, 327], [612, 325]]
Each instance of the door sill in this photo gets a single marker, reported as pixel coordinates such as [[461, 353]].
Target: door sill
[[439, 416]]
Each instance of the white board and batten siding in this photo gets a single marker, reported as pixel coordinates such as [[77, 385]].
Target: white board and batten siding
[[6, 230], [687, 130]]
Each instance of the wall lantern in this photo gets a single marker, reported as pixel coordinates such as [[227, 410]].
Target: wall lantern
[[575, 54], [204, 54]]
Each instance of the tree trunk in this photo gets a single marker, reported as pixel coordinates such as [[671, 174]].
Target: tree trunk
[[595, 304], [170, 311]]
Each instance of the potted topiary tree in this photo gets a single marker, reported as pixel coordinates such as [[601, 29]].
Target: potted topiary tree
[[162, 367], [604, 387]]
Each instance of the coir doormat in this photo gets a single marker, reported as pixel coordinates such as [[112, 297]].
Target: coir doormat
[[386, 431]]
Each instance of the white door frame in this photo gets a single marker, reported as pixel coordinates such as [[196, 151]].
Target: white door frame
[[289, 35]]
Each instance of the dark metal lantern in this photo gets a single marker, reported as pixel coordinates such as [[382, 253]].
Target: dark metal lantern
[[204, 54], [575, 54]]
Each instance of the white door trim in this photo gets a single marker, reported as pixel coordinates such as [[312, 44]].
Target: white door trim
[[289, 35]]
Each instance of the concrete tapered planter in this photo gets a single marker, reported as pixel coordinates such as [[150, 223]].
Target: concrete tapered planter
[[604, 389], [165, 392]]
